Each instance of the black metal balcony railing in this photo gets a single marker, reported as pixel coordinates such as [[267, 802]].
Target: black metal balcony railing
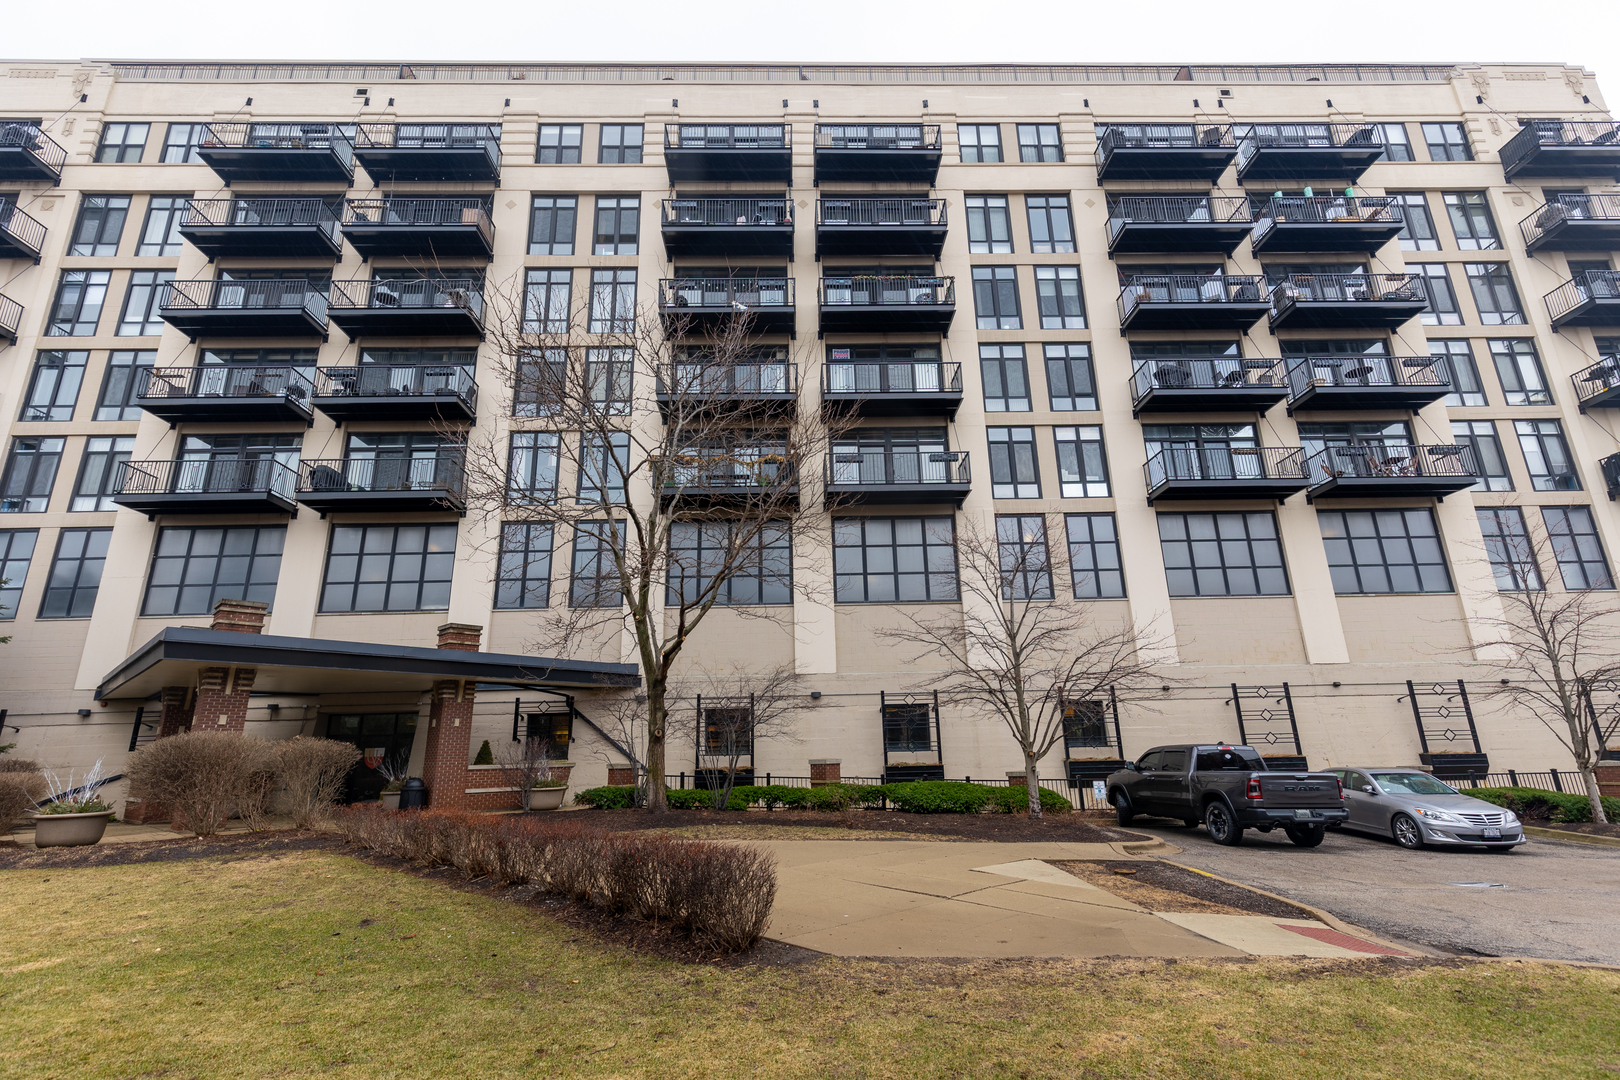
[[1348, 288], [42, 152], [207, 476], [225, 381], [700, 382], [1187, 151], [20, 233], [869, 212], [1217, 375], [737, 294], [1232, 465], [1610, 467], [1261, 137], [862, 377], [407, 294], [249, 294], [1535, 135], [281, 136], [1586, 292], [1342, 210], [1598, 384], [733, 471], [727, 136], [201, 216], [878, 137], [1190, 289], [1393, 462], [10, 318], [1176, 210], [852, 467], [404, 380], [740, 213], [406, 212], [888, 291], [1162, 137], [440, 473], [1307, 373], [1559, 213], [480, 137]]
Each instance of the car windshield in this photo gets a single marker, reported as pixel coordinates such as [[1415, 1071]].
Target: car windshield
[[1412, 783]]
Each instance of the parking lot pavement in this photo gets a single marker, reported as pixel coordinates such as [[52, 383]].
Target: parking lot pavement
[[1556, 899]]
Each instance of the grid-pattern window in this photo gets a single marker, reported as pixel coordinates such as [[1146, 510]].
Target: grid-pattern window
[[1070, 382], [1397, 147], [524, 578], [618, 225], [70, 593], [1492, 463], [995, 298], [1471, 221], [559, 144], [1025, 563], [1005, 378], [16, 549], [531, 471], [1013, 470], [888, 560], [762, 572], [194, 569], [548, 295], [989, 225], [1082, 465], [1222, 554], [160, 233], [1467, 389], [1447, 142], [1494, 294], [1507, 546], [1442, 309], [140, 317], [25, 487], [1574, 540], [389, 568], [542, 379], [180, 143], [620, 144], [979, 142], [613, 301], [1051, 229], [594, 581], [608, 375], [1518, 369], [1094, 556], [1547, 455], [53, 390], [1039, 142], [122, 143], [79, 299], [98, 472], [604, 465], [100, 224], [551, 224], [1417, 234], [1383, 551], [1057, 295]]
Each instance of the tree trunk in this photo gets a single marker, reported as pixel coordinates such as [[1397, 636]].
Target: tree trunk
[[1593, 795], [1580, 742], [1033, 781], [657, 720]]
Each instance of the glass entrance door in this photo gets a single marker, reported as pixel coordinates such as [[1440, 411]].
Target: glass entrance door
[[383, 738]]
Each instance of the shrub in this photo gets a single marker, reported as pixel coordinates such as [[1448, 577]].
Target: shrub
[[937, 796], [18, 792], [18, 765], [203, 775], [1015, 800], [485, 755], [835, 796], [606, 798], [1533, 804], [702, 799], [314, 771]]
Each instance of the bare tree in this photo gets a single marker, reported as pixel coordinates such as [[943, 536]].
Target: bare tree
[[734, 712], [525, 764], [1019, 653]]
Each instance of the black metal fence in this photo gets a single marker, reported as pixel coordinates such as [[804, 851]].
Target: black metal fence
[[891, 377], [1535, 134], [33, 142], [297, 135], [873, 467], [10, 317], [1327, 210], [410, 212], [1224, 463], [1253, 138], [25, 231], [1310, 372], [211, 476], [727, 137], [1156, 289], [408, 293], [265, 212], [736, 470], [897, 211], [431, 137], [1080, 794], [225, 381], [1126, 210], [1585, 286], [888, 291], [1111, 137], [735, 212], [1217, 373], [1566, 782], [1347, 288], [1391, 460], [1598, 380], [1562, 209], [403, 380], [725, 292], [877, 137], [223, 295], [728, 381], [441, 472]]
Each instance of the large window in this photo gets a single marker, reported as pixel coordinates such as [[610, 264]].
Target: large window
[[604, 465], [524, 579], [542, 380], [1507, 546], [1471, 221], [1051, 229], [1466, 388], [160, 234], [620, 144], [613, 301], [1094, 557], [1026, 565], [100, 224], [559, 144], [618, 224], [547, 297], [16, 549], [1082, 466], [889, 560], [595, 578], [762, 572], [1442, 309], [995, 298], [1383, 551], [1575, 545], [531, 472], [1547, 455], [1494, 294], [53, 390], [1039, 142], [1447, 142], [122, 143], [140, 317], [989, 225], [1417, 234], [1397, 147], [1013, 470], [1005, 378], [180, 143], [81, 554], [194, 569], [1492, 463], [98, 472], [79, 299], [551, 224], [1519, 371], [608, 375], [389, 568], [1383, 437], [1057, 295], [25, 487], [979, 142], [1222, 554], [1070, 382]]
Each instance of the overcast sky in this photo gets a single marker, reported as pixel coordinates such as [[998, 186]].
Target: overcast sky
[[946, 31]]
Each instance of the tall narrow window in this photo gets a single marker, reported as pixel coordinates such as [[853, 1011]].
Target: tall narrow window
[[1397, 147], [76, 570], [618, 224], [1070, 382], [761, 564], [1442, 309], [547, 300], [620, 144], [160, 234], [608, 373], [1417, 234], [524, 580], [195, 568], [551, 224], [79, 299], [541, 383], [1025, 563], [1039, 142], [140, 317], [613, 301], [604, 465], [99, 472], [889, 560], [100, 224], [1547, 455], [1013, 470], [180, 143], [1233, 554], [1488, 456], [1494, 294], [989, 225], [54, 389], [1575, 545], [531, 471], [1507, 546], [1057, 294], [559, 144], [1005, 378], [979, 142], [389, 568], [594, 581], [1447, 142], [995, 298], [1094, 556], [122, 143], [1471, 221], [16, 550], [1466, 389], [1051, 229], [25, 486], [1383, 551], [1518, 369], [1082, 465]]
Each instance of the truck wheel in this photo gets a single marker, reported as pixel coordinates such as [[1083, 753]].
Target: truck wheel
[[1223, 828], [1306, 835], [1123, 811], [1407, 833]]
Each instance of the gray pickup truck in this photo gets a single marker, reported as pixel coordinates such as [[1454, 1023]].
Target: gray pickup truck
[[1229, 789]]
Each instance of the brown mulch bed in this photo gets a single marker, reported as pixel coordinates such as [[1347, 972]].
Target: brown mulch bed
[[1081, 827], [229, 845], [1160, 886], [1590, 828]]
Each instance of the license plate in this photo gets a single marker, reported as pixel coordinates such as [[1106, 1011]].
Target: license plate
[[1306, 814], [1493, 834]]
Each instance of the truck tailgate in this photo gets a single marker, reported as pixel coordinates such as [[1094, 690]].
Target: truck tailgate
[[1284, 791]]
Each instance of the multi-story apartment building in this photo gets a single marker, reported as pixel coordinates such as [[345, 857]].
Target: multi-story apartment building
[[1272, 353]]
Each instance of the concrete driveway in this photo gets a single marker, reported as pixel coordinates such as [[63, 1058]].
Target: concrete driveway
[[1557, 900]]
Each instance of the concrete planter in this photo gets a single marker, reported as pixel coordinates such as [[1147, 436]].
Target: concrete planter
[[546, 798], [390, 800], [70, 830]]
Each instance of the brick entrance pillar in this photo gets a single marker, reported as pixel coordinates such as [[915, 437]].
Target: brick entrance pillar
[[177, 711], [449, 737], [222, 692]]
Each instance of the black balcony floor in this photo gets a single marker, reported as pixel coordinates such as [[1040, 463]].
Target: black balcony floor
[[378, 240], [880, 239], [1381, 487], [917, 494], [1573, 161], [242, 322], [18, 163], [771, 165], [269, 409], [462, 164], [437, 321], [1270, 163], [743, 406], [448, 406], [1199, 316], [1149, 237], [197, 503], [1242, 398], [897, 403], [1309, 314], [700, 497], [1243, 487], [1578, 234], [684, 239], [420, 500], [887, 318], [268, 241], [13, 246], [1591, 311], [233, 164], [1358, 235], [1367, 397], [1205, 163], [891, 166], [771, 319]]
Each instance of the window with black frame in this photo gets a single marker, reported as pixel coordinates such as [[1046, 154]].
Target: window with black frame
[[979, 142], [180, 144], [531, 471], [1442, 309], [122, 143], [1494, 294], [1384, 551], [76, 570], [140, 317], [79, 300], [995, 298], [1447, 142], [1507, 547], [160, 232], [547, 300], [1014, 471], [892, 456], [618, 225], [100, 224], [1467, 391], [1418, 233], [1344, 361], [887, 369], [551, 224], [1051, 228], [1071, 384], [1471, 221], [195, 568], [1058, 296], [1039, 142], [1024, 562], [1094, 559], [760, 562], [594, 578], [99, 472], [1082, 462], [523, 579], [16, 551], [389, 568], [1577, 548], [1397, 146], [989, 225], [1203, 451], [1085, 723], [559, 144], [1226, 554], [1005, 378], [908, 727], [620, 144], [1518, 369], [53, 389], [894, 560], [1481, 436], [1546, 455], [30, 473]]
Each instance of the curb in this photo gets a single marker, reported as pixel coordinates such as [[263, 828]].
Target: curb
[[1572, 837]]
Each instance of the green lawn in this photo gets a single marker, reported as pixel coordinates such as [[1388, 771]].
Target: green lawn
[[310, 963]]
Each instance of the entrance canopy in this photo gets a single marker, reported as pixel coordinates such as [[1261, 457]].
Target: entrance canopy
[[294, 665]]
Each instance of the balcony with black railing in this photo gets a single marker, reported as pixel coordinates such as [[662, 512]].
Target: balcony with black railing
[[21, 236], [1164, 151], [1308, 301], [1366, 382], [883, 477], [255, 227], [1381, 470], [882, 303], [421, 228], [28, 154], [442, 392], [1573, 223], [1290, 223], [745, 389], [880, 225], [729, 476], [260, 485], [1225, 472], [1598, 386], [1610, 467], [226, 393], [878, 153], [1217, 384], [464, 153], [1590, 298], [892, 387], [387, 484], [728, 227], [696, 305], [276, 308], [1152, 302], [287, 151], [409, 307], [1560, 148], [1269, 152], [10, 318], [1141, 224], [744, 153]]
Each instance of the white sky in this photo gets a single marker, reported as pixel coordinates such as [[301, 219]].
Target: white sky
[[946, 31]]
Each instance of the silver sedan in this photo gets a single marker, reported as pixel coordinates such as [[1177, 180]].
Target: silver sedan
[[1419, 811]]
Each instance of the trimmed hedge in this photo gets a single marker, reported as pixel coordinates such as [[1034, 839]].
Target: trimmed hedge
[[606, 798], [1533, 804], [913, 797]]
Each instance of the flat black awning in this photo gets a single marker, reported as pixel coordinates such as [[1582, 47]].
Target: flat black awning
[[294, 665]]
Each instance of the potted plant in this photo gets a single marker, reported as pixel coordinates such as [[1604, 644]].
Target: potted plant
[[540, 777], [70, 814], [395, 771], [547, 793]]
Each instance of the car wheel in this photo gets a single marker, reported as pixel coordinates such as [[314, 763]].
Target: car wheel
[[1306, 835], [1123, 811], [1407, 833], [1223, 828]]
